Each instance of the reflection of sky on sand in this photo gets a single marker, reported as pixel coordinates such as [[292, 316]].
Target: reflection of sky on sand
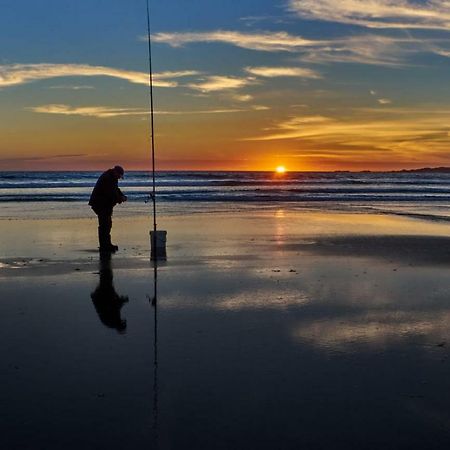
[[341, 303], [375, 330], [253, 300], [349, 337], [263, 300], [326, 340], [374, 305]]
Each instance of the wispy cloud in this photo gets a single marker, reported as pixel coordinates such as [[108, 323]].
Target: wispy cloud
[[418, 111], [220, 83], [103, 112], [42, 158], [251, 21], [268, 41], [351, 131], [16, 74], [72, 87], [429, 14], [179, 74], [362, 49], [87, 111], [404, 134], [367, 49], [242, 98], [272, 72], [260, 108], [202, 111], [381, 101]]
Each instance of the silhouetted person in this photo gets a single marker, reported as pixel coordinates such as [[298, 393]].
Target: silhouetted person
[[105, 298], [105, 195]]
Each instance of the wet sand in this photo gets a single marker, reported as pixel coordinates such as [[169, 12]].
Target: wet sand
[[271, 329]]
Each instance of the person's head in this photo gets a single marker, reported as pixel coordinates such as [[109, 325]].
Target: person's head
[[118, 171]]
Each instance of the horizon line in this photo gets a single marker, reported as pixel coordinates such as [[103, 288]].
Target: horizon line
[[241, 171]]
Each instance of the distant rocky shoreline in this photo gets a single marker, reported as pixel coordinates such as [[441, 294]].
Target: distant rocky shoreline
[[427, 169]]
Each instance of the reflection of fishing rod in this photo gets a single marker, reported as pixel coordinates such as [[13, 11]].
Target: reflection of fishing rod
[[157, 238], [154, 302], [155, 353]]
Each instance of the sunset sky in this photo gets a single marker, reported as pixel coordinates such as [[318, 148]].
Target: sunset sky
[[240, 85]]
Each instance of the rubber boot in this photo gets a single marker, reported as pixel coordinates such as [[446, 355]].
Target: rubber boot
[[104, 240]]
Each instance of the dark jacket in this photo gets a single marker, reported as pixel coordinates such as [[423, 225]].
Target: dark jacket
[[106, 193]]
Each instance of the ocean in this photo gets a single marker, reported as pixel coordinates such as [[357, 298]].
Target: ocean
[[412, 193]]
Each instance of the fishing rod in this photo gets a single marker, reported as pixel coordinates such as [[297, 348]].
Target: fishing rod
[[157, 238], [152, 126]]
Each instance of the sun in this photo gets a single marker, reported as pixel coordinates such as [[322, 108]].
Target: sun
[[280, 169]]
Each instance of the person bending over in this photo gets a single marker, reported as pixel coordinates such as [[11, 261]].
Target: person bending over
[[105, 195]]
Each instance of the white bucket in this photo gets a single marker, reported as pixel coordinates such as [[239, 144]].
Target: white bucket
[[158, 244]]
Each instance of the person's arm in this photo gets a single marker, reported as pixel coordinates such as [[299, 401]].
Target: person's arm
[[120, 196]]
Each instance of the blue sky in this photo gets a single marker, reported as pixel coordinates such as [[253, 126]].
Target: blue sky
[[310, 84]]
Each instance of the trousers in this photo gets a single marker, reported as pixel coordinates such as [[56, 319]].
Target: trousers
[[104, 226]]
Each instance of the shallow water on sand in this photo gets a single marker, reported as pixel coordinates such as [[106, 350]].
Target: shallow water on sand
[[280, 330]]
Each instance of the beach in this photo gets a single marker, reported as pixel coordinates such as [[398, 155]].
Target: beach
[[295, 153], [271, 328]]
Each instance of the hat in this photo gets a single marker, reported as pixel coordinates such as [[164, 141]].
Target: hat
[[119, 170]]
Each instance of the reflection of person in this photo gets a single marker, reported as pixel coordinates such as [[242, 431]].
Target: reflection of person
[[105, 298], [105, 195]]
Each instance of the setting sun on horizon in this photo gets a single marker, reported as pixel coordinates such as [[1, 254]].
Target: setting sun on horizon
[[280, 169]]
